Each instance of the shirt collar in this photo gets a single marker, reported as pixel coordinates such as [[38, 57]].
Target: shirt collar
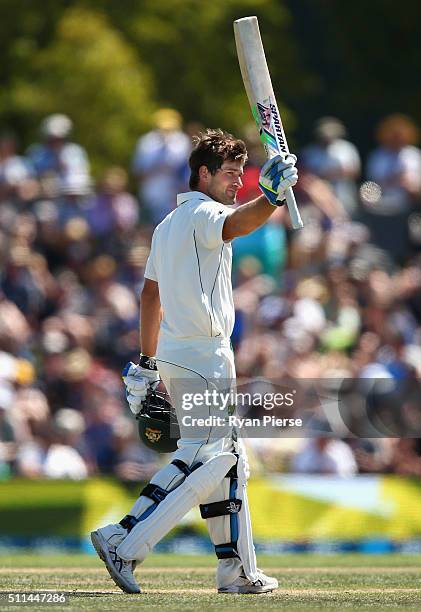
[[182, 198]]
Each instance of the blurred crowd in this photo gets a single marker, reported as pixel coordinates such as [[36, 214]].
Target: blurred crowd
[[339, 299]]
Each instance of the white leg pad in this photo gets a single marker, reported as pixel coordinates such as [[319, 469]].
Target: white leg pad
[[196, 488], [245, 544], [234, 528]]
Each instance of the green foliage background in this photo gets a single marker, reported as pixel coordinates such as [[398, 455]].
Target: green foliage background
[[109, 64]]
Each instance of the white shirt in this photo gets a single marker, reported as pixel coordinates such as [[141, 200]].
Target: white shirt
[[336, 458], [14, 170], [338, 156], [192, 266], [161, 158]]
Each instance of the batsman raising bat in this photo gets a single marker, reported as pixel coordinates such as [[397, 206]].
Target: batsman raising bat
[[188, 279]]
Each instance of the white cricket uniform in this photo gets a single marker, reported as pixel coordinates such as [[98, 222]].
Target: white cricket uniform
[[192, 266]]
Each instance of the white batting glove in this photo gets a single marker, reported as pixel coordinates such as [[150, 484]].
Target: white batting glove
[[139, 379], [276, 176]]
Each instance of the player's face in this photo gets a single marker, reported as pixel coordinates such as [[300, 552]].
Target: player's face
[[225, 183]]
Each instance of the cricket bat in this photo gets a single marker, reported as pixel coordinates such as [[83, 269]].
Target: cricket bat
[[256, 78]]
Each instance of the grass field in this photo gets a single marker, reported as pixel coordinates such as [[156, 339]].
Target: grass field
[[174, 582]]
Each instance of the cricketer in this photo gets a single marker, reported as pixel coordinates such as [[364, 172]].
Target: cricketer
[[187, 317]]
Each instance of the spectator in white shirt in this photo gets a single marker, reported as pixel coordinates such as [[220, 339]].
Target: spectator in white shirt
[[160, 163], [335, 160], [324, 454]]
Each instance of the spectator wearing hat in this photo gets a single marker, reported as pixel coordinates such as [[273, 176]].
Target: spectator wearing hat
[[335, 160], [395, 170], [56, 156], [160, 164]]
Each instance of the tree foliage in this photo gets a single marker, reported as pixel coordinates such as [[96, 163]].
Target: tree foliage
[[190, 47], [91, 73], [108, 64]]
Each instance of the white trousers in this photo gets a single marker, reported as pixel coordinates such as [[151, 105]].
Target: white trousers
[[189, 369]]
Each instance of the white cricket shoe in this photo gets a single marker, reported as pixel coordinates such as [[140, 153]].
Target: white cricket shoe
[[263, 584], [105, 540]]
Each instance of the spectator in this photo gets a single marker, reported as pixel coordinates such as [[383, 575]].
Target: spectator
[[14, 169], [51, 451], [57, 157], [395, 167], [323, 455], [335, 160], [405, 457], [71, 269], [112, 208], [160, 164]]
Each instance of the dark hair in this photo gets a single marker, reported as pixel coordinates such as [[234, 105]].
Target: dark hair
[[211, 149]]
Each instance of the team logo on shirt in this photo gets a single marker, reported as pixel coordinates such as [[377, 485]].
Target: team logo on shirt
[[153, 435]]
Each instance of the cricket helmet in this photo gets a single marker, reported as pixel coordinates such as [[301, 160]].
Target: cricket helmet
[[157, 423]]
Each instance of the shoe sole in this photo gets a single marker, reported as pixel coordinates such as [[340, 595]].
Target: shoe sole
[[101, 548], [246, 591]]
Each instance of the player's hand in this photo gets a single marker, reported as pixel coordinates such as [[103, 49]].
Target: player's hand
[[139, 379], [276, 176]]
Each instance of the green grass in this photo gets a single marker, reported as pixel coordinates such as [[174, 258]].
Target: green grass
[[183, 583]]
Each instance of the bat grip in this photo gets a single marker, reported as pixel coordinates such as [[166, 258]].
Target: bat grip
[[294, 213]]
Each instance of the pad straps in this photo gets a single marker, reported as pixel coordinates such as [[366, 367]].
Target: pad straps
[[231, 507], [157, 494], [221, 508]]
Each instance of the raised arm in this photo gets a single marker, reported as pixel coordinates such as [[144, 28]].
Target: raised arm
[[246, 218], [276, 176]]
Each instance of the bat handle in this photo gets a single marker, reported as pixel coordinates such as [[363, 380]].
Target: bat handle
[[294, 213]]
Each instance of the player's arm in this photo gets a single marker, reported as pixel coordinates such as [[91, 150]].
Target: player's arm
[[140, 377], [150, 317], [276, 176], [246, 218]]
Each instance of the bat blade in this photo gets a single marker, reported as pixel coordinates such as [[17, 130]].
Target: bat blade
[[258, 86]]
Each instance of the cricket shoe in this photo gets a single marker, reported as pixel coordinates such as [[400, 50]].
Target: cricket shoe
[[263, 584], [105, 540]]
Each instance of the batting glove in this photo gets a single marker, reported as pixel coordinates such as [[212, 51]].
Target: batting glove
[[139, 379], [276, 176]]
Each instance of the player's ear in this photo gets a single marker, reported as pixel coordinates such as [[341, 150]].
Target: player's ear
[[204, 173]]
